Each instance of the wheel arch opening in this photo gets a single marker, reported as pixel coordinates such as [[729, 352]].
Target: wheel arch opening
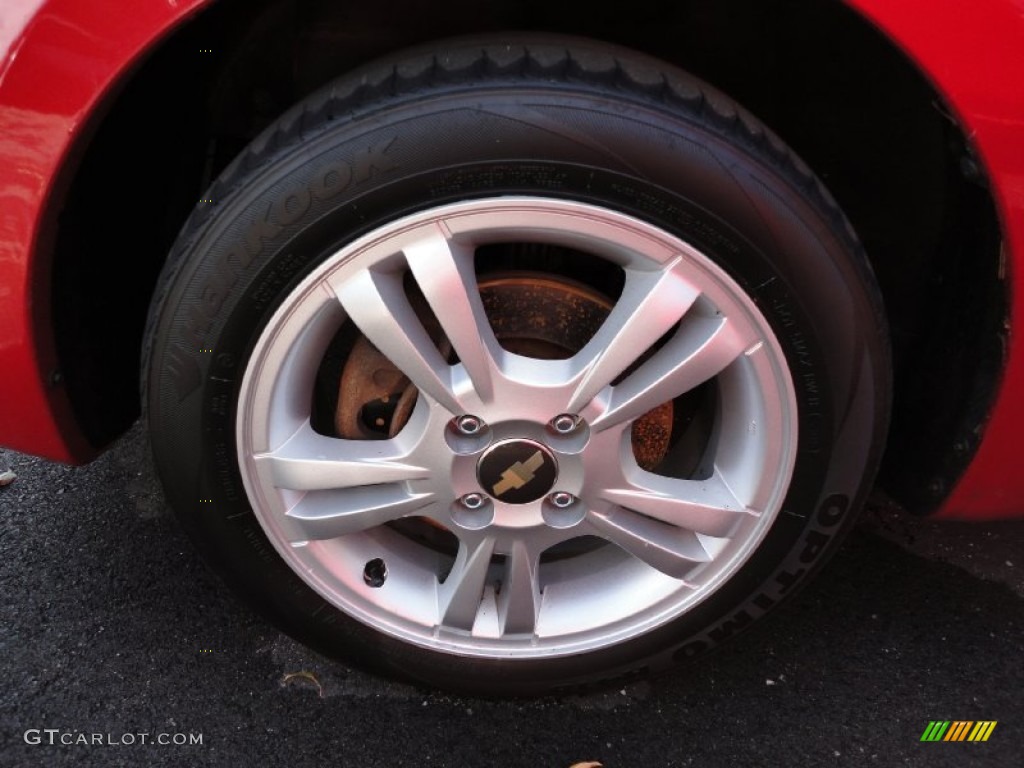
[[836, 90]]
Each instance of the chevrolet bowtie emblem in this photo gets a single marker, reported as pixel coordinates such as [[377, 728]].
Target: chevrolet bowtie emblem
[[517, 470], [519, 474]]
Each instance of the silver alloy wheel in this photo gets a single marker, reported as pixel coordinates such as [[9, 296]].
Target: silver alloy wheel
[[326, 503]]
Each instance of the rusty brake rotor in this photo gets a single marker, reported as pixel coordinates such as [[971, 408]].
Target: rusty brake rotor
[[532, 315]]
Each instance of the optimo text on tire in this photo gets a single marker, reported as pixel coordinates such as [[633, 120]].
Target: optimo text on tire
[[511, 366]]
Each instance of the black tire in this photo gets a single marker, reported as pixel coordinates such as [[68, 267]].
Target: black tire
[[561, 118]]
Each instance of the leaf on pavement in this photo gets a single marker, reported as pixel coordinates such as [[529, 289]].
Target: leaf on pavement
[[303, 675]]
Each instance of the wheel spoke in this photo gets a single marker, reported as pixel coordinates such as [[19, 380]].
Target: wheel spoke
[[703, 506], [329, 514], [701, 349], [673, 551], [462, 592], [309, 461], [650, 304], [444, 271], [519, 600], [376, 302]]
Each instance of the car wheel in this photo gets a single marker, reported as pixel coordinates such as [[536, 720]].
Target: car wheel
[[509, 367]]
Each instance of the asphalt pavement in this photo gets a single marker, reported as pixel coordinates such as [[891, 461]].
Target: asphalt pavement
[[114, 636]]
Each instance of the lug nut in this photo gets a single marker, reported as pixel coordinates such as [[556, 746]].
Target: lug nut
[[469, 425], [565, 423], [561, 499], [473, 500]]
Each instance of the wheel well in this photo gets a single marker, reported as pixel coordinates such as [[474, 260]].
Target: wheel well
[[834, 88]]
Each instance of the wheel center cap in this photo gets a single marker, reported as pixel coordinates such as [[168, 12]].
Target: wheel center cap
[[517, 471]]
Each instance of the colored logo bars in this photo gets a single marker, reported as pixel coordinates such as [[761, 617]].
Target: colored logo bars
[[958, 730]]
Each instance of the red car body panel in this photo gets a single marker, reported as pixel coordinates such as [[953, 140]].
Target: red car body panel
[[61, 58], [974, 55]]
